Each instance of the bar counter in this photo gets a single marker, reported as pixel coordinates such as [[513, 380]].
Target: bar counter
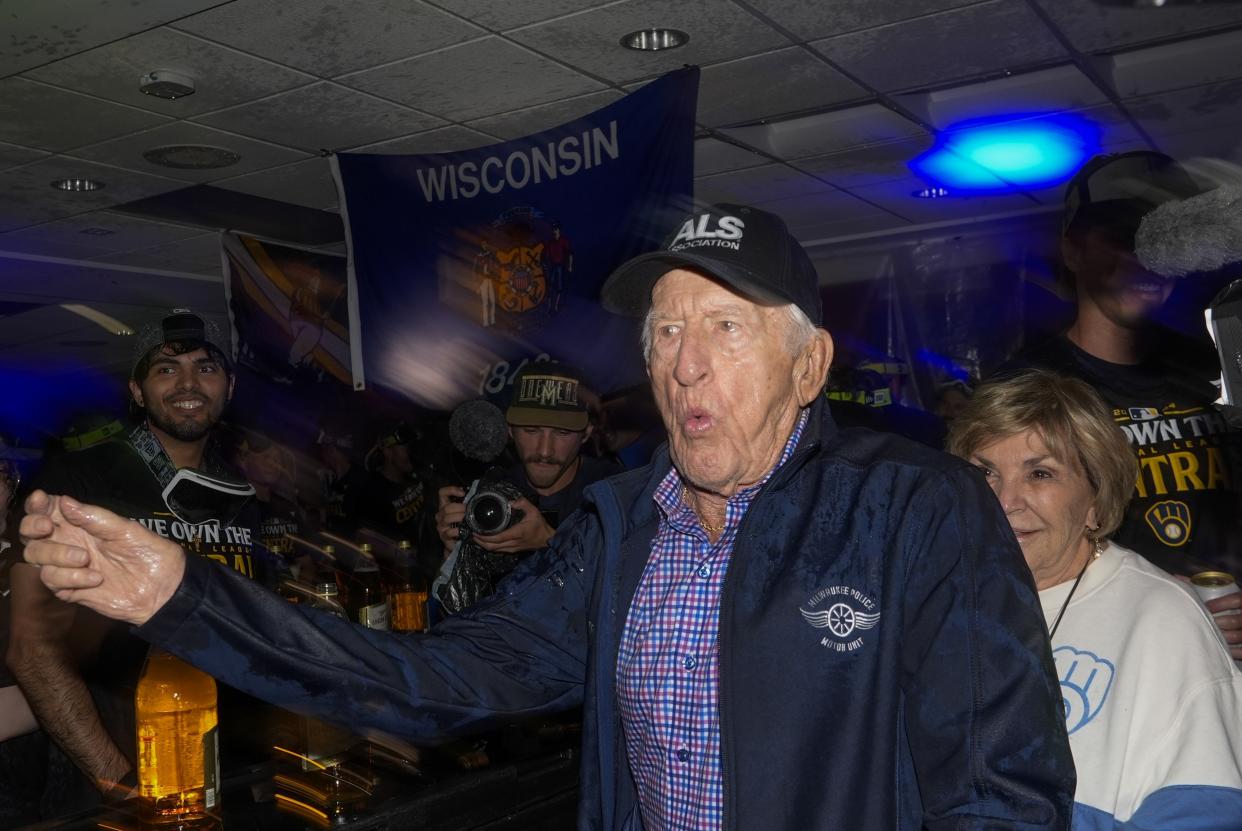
[[532, 789]]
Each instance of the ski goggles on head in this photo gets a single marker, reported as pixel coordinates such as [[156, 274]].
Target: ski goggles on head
[[196, 497], [193, 496]]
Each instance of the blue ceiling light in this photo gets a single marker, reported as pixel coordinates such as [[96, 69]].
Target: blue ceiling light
[[1009, 154]]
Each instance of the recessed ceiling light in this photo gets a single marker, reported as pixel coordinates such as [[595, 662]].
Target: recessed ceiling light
[[76, 184], [167, 85], [655, 39], [191, 156], [932, 193]]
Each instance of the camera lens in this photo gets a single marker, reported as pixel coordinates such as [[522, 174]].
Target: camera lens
[[488, 513]]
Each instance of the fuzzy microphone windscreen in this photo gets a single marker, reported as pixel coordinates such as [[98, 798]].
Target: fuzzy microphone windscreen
[[1202, 233]]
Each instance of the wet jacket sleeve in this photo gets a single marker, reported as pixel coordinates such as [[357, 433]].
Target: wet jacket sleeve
[[982, 704], [521, 652]]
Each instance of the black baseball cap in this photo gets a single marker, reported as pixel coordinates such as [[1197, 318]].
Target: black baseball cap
[[184, 327], [1119, 189], [746, 248], [548, 394]]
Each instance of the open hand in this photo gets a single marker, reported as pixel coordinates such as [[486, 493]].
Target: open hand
[[91, 556]]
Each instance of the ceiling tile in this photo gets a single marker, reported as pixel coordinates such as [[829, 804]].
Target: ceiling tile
[[127, 151], [817, 135], [323, 116], [441, 140], [223, 77], [898, 196], [1222, 146], [756, 184], [1189, 110], [771, 84], [501, 16], [868, 165], [825, 206], [37, 33], [15, 242], [28, 189], [530, 120], [308, 183], [1115, 128], [719, 30], [807, 18], [328, 37], [12, 155], [1093, 27], [946, 47], [1046, 91], [473, 80], [196, 255], [715, 156], [96, 233], [48, 118], [1186, 63]]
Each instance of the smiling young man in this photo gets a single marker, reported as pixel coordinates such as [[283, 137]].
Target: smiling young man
[[180, 384], [1184, 515], [774, 625]]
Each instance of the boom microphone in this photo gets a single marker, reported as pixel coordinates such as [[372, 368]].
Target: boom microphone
[[478, 430], [1202, 233]]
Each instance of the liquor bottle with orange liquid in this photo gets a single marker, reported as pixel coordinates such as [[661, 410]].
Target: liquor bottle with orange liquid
[[178, 751], [407, 592]]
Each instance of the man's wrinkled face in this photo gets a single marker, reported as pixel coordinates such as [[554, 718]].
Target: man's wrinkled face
[[183, 395], [724, 379], [548, 454], [1110, 277]]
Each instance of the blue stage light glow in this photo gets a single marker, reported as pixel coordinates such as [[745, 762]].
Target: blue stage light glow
[[1012, 153]]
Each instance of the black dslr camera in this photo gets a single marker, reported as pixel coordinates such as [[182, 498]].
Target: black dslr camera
[[487, 504]]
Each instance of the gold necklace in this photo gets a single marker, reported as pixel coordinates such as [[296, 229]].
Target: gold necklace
[[711, 529]]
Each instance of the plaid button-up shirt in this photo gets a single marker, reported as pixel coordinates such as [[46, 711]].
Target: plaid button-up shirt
[[668, 669]]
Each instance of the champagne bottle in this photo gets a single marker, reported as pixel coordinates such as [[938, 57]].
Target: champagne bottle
[[407, 593], [178, 752], [367, 602]]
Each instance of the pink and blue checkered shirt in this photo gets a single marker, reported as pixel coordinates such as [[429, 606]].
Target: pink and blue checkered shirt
[[668, 670]]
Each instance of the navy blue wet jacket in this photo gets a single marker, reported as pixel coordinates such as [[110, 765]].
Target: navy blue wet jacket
[[883, 657]]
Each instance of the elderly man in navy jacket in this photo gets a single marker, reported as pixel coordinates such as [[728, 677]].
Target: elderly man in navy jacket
[[775, 625]]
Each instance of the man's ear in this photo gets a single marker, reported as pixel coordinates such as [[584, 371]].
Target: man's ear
[[232, 382], [1071, 253], [136, 392], [586, 433], [811, 368]]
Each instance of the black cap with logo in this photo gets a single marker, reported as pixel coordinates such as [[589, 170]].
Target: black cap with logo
[[547, 394], [748, 249], [1119, 189], [184, 327]]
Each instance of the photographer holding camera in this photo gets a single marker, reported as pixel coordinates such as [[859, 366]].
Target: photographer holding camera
[[548, 423]]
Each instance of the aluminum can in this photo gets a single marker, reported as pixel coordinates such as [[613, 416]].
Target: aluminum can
[[1210, 585]]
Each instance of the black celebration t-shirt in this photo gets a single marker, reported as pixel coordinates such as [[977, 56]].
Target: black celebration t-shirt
[[113, 476]]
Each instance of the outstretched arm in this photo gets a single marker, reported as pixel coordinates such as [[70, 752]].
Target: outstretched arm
[[522, 652]]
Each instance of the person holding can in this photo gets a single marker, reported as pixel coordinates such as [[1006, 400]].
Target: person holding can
[[1153, 703], [1219, 592]]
